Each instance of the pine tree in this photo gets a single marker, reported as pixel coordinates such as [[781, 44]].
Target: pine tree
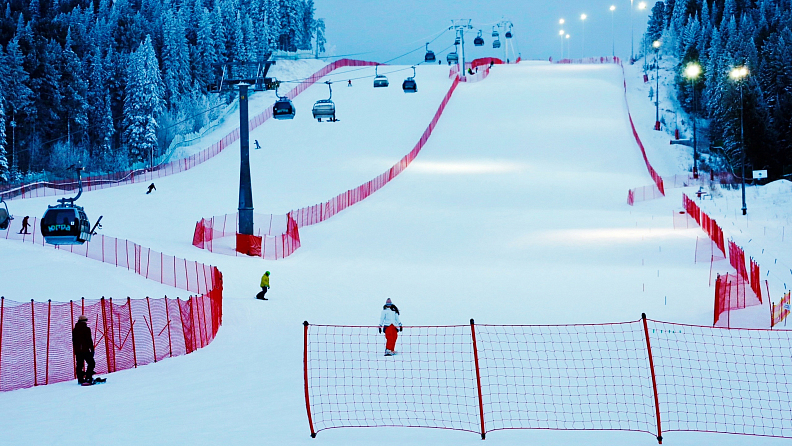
[[175, 58], [99, 114], [75, 91], [656, 22], [143, 102], [205, 50]]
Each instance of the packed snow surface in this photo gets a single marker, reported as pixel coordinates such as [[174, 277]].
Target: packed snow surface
[[514, 212]]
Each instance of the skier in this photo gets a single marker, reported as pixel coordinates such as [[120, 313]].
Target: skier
[[83, 351], [349, 83], [25, 225], [264, 286], [389, 318], [470, 71], [258, 146], [151, 188]]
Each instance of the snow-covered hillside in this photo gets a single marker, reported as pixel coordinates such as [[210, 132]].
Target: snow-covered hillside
[[514, 212]]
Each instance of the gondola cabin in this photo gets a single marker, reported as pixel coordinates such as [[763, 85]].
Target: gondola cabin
[[5, 217], [283, 109], [409, 85], [478, 41], [324, 108], [496, 43], [65, 225], [452, 58]]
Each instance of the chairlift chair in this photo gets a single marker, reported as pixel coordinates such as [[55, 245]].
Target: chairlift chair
[[509, 34], [5, 216], [457, 41], [478, 41], [380, 80], [495, 33], [409, 85], [283, 108], [496, 43], [325, 108], [66, 223], [452, 58], [430, 55]]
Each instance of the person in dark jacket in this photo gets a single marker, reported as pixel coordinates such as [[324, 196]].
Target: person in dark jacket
[[25, 225], [83, 350], [151, 188]]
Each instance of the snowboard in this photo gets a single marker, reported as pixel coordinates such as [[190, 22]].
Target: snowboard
[[95, 381]]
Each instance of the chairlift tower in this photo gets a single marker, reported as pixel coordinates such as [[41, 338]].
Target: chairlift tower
[[240, 76], [459, 26], [507, 25]]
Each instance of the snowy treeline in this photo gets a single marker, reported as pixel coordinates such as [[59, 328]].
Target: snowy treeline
[[721, 35], [110, 82]]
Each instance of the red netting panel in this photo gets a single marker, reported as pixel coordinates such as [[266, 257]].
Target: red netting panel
[[61, 361], [572, 377], [185, 315], [16, 349], [120, 337], [720, 380], [431, 382]]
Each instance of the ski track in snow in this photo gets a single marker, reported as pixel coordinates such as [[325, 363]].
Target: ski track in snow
[[514, 212]]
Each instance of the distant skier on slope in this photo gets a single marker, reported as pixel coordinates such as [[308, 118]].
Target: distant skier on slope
[[264, 286], [25, 225], [389, 319], [258, 146], [151, 188], [83, 351], [349, 83]]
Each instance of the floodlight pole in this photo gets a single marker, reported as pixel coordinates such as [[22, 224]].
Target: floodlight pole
[[245, 188], [742, 143]]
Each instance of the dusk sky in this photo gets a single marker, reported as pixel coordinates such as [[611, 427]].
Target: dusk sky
[[387, 29]]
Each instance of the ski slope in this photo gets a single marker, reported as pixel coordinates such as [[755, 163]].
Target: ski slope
[[514, 212]]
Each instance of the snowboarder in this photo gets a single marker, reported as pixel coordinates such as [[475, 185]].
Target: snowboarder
[[264, 286], [83, 351], [470, 71], [389, 319], [151, 188], [349, 83], [25, 225], [258, 146]]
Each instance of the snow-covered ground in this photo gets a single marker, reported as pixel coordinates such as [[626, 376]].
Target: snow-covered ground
[[514, 212]]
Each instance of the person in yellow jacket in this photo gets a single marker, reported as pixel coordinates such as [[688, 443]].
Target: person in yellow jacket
[[264, 286]]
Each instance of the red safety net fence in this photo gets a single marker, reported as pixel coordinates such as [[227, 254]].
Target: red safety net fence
[[275, 236], [35, 337], [63, 187], [589, 60], [645, 376], [311, 215]]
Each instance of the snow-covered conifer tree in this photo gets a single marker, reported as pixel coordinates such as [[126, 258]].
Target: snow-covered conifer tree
[[143, 101]]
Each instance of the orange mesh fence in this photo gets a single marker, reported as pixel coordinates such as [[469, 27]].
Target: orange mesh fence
[[644, 376], [779, 313], [35, 337]]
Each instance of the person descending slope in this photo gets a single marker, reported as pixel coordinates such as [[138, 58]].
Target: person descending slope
[[25, 225], [151, 188], [389, 319], [264, 286]]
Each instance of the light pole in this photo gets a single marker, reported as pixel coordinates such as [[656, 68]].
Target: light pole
[[561, 33], [656, 45], [613, 33], [583, 36], [632, 33], [569, 50], [738, 74], [692, 73]]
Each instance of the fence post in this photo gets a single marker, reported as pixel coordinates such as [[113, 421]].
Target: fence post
[[181, 317], [33, 323], [478, 377], [74, 360], [168, 322], [654, 379], [104, 325], [305, 378], [46, 365], [151, 329], [132, 331]]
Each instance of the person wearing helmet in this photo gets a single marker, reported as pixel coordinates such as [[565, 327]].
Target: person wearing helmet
[[83, 351], [389, 320], [264, 286]]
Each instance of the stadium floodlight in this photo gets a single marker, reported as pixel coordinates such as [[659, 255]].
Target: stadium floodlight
[[692, 73], [738, 74]]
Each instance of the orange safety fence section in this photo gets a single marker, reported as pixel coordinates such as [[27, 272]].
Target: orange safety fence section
[[35, 337]]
